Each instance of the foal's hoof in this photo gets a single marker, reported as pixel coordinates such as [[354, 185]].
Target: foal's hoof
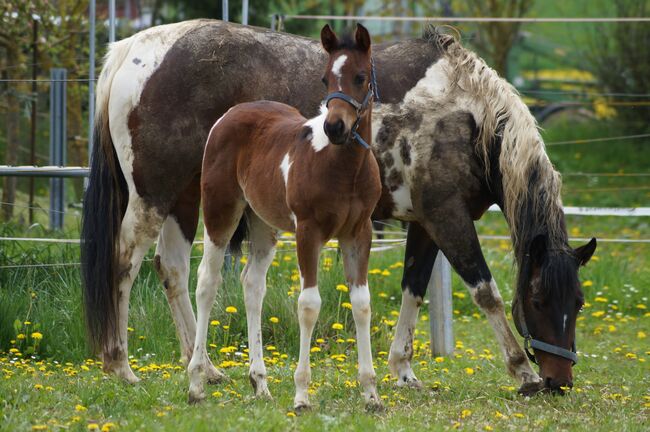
[[531, 388], [215, 376]]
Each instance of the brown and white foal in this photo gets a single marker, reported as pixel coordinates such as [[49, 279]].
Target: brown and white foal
[[265, 161]]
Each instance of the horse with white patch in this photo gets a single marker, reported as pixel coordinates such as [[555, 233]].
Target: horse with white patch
[[267, 163]]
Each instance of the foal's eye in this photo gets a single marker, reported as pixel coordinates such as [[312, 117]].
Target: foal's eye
[[324, 81], [359, 79]]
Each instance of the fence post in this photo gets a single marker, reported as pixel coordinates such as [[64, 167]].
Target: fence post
[[58, 141], [224, 10], [440, 308]]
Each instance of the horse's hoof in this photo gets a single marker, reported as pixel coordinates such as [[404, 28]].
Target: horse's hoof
[[194, 399], [531, 388], [413, 383], [264, 395], [301, 407], [215, 376], [374, 406]]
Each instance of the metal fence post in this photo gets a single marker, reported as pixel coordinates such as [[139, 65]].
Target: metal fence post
[[58, 143], [440, 308], [224, 10], [244, 12]]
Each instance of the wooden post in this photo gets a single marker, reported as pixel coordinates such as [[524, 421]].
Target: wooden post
[[440, 308]]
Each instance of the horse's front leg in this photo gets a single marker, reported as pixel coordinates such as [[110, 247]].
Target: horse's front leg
[[453, 230], [419, 257], [309, 242], [356, 251]]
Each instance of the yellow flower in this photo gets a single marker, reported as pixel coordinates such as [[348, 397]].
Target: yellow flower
[[337, 326], [93, 426], [469, 371], [641, 335], [217, 394], [640, 306], [518, 415], [385, 273], [37, 335], [274, 320], [600, 300], [346, 305], [108, 426], [214, 323], [488, 428], [38, 386], [80, 407], [465, 413], [499, 415], [342, 288], [587, 283], [28, 323], [439, 359], [291, 414], [39, 427], [231, 309], [20, 336], [315, 349]]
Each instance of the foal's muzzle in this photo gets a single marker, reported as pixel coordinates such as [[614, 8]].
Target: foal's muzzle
[[335, 131]]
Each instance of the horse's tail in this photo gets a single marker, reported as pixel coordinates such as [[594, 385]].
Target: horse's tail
[[104, 205]]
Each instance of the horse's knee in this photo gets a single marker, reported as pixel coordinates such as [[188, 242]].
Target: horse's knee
[[360, 300], [486, 296]]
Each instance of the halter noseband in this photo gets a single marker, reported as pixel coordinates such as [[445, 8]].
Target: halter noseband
[[360, 107], [530, 342]]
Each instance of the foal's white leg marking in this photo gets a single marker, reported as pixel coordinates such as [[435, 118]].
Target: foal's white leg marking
[[360, 299], [336, 68], [209, 280], [173, 266], [254, 282], [318, 138], [487, 297], [401, 350], [308, 309]]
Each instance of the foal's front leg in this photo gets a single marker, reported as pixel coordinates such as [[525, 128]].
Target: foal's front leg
[[309, 241], [356, 251]]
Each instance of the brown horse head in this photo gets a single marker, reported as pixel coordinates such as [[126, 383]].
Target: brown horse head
[[348, 81], [547, 306]]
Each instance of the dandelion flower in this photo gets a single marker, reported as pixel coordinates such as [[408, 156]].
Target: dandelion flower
[[39, 427], [469, 371], [342, 288], [274, 320], [337, 326], [291, 414], [93, 426], [587, 283], [80, 408], [231, 309], [108, 427], [346, 305], [315, 349], [214, 323], [37, 336], [465, 413]]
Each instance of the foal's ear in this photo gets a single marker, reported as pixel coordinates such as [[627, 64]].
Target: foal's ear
[[328, 39], [584, 253], [362, 38]]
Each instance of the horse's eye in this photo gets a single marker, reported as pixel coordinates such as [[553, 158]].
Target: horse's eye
[[359, 79], [537, 304], [324, 81]]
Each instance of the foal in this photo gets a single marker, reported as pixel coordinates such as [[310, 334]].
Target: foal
[[316, 177]]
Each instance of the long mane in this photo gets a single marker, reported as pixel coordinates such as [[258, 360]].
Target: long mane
[[531, 187]]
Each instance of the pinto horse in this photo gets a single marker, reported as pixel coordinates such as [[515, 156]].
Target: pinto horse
[[451, 138], [317, 178]]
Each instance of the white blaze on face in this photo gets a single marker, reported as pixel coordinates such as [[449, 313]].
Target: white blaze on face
[[336, 69], [318, 138]]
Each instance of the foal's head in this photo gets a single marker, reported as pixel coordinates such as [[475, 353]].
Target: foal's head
[[549, 299], [349, 71]]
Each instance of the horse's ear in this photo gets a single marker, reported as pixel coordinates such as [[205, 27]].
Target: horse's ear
[[362, 38], [537, 249], [328, 38], [584, 253]]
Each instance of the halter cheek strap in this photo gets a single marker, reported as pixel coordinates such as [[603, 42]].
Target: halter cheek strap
[[360, 107], [530, 342]]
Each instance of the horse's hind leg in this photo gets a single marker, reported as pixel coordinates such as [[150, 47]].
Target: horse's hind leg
[[356, 251], [221, 217], [262, 250], [419, 258], [140, 226]]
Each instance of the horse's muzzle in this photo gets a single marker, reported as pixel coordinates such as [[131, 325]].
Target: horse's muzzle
[[336, 132]]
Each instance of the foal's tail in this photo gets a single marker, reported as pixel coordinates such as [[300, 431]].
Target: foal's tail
[[104, 205]]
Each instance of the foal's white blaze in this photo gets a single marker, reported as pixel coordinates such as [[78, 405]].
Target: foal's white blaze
[[318, 138], [336, 68], [401, 350], [309, 304]]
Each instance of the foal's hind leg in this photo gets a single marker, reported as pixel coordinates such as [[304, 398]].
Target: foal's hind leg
[[262, 249], [139, 228], [356, 251], [419, 258], [220, 223]]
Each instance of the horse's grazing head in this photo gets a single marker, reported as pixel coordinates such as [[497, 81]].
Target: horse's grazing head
[[349, 71], [549, 298]]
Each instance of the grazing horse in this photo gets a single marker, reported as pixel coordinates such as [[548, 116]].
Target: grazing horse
[[451, 138], [317, 178]]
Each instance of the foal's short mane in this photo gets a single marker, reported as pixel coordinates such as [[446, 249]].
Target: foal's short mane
[[531, 186]]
